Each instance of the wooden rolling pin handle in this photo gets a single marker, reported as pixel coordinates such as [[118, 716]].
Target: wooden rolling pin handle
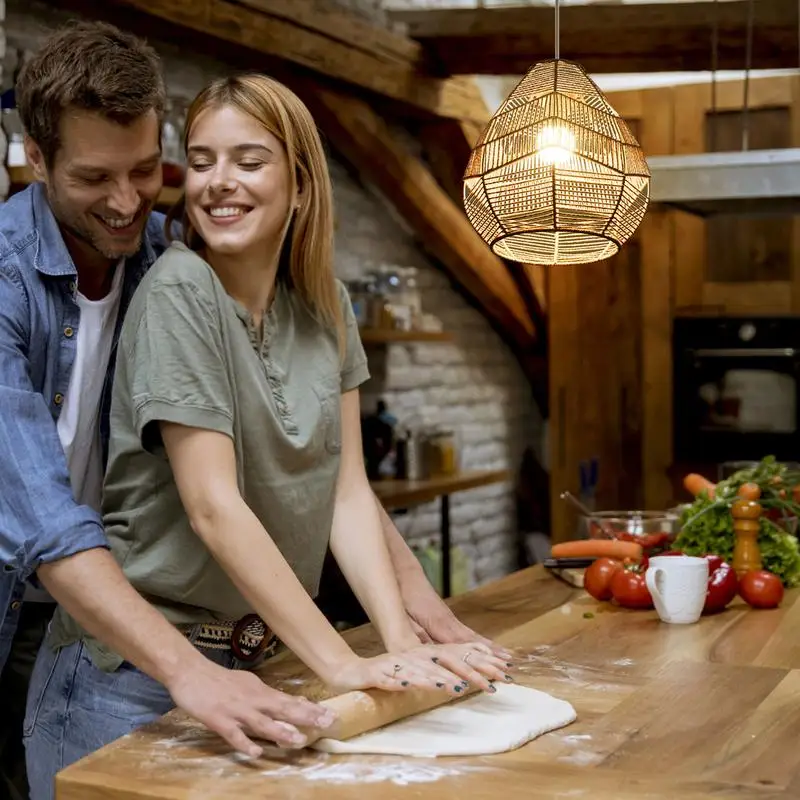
[[746, 525], [367, 710]]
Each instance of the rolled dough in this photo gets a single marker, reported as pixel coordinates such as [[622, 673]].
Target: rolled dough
[[479, 725]]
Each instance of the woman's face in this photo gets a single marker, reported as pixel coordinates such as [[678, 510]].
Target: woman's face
[[238, 188]]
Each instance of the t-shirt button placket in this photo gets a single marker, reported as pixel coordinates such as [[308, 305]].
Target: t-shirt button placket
[[58, 398]]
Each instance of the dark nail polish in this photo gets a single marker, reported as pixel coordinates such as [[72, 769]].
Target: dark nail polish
[[404, 683], [492, 689], [465, 684], [439, 685], [509, 664], [508, 678], [457, 688], [435, 660]]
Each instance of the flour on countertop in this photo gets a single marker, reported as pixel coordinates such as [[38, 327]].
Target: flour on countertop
[[214, 760]]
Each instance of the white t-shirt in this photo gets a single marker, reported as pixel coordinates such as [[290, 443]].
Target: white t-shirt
[[79, 423]]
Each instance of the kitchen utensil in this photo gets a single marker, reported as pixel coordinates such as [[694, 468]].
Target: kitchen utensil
[[588, 481], [678, 586], [650, 528], [361, 711], [586, 512]]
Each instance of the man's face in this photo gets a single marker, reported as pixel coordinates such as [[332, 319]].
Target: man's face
[[104, 181]]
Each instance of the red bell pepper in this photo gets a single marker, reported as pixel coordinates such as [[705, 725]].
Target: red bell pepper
[[722, 584]]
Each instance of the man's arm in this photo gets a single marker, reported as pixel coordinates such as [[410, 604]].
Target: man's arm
[[44, 530], [434, 620]]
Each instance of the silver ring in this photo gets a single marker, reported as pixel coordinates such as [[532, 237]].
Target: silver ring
[[466, 656], [397, 668]]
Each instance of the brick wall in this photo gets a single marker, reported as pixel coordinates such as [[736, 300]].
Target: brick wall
[[472, 385]]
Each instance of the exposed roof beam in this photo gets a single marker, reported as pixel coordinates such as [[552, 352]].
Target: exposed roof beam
[[641, 37], [323, 42]]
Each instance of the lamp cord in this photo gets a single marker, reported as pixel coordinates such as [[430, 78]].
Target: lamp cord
[[748, 64], [714, 68], [558, 31]]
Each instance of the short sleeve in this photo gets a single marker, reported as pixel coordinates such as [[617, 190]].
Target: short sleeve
[[175, 363], [354, 369]]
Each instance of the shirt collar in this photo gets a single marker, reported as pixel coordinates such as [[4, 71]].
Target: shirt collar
[[52, 256]]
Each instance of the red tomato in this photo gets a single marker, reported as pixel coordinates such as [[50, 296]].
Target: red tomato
[[629, 589], [761, 589], [597, 578]]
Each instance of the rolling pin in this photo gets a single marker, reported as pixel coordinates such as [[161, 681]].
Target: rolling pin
[[362, 711]]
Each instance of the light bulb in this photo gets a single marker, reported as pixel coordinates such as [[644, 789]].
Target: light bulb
[[555, 145]]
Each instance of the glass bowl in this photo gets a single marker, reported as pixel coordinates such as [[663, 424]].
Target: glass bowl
[[654, 530]]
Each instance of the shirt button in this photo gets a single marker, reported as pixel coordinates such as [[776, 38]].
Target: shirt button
[[16, 605], [58, 399], [68, 332], [73, 286]]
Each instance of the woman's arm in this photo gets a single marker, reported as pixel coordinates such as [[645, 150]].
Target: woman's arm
[[357, 539], [204, 466]]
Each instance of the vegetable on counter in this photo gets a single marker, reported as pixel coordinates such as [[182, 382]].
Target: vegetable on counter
[[696, 484], [597, 548], [722, 584], [629, 589], [761, 589], [597, 578], [707, 524]]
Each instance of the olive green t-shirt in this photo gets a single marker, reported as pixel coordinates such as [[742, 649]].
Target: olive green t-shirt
[[190, 354]]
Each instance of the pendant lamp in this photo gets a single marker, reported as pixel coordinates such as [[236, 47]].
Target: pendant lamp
[[557, 176]]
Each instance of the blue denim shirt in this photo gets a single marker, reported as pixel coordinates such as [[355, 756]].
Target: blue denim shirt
[[40, 521]]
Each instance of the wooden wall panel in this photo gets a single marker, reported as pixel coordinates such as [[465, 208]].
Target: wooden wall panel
[[745, 249], [564, 358], [657, 237], [794, 125], [690, 103]]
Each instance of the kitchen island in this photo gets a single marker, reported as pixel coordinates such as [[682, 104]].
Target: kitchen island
[[664, 712]]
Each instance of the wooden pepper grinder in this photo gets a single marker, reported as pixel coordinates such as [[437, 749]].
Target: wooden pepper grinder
[[746, 551]]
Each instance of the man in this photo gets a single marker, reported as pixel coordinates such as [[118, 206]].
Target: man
[[73, 247]]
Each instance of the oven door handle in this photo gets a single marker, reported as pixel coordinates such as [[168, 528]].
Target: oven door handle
[[743, 352]]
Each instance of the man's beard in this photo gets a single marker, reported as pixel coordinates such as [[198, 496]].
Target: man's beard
[[95, 240]]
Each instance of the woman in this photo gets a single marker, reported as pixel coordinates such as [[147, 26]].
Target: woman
[[236, 452]]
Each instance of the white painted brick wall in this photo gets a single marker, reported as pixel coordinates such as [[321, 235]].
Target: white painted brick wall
[[472, 385]]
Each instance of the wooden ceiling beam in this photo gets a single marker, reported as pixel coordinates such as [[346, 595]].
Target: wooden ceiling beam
[[606, 37], [330, 44], [374, 150]]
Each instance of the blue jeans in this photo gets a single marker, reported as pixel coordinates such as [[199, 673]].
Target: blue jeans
[[74, 708]]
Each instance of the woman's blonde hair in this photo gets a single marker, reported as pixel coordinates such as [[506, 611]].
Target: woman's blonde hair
[[306, 262]]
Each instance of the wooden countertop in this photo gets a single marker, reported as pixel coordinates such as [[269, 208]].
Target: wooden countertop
[[400, 493], [664, 712]]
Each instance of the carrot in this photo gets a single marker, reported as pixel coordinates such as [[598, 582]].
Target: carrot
[[696, 483], [597, 548]]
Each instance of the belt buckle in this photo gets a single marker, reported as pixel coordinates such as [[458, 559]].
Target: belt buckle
[[249, 638]]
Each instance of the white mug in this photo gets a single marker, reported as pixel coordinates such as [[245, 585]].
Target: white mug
[[678, 586]]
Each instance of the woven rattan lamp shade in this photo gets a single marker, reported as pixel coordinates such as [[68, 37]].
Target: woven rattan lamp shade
[[556, 177]]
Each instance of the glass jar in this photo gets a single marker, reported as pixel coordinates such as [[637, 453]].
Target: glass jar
[[441, 449]]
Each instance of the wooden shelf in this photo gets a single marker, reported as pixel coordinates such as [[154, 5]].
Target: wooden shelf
[[399, 494], [381, 336], [22, 176]]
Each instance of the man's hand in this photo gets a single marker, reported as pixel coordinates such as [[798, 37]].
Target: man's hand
[[237, 705], [434, 622]]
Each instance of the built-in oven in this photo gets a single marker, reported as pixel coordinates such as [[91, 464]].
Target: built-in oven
[[736, 388]]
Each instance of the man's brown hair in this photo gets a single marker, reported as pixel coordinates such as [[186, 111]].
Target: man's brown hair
[[90, 66]]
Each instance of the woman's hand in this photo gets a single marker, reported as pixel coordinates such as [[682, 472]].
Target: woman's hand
[[451, 668]]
